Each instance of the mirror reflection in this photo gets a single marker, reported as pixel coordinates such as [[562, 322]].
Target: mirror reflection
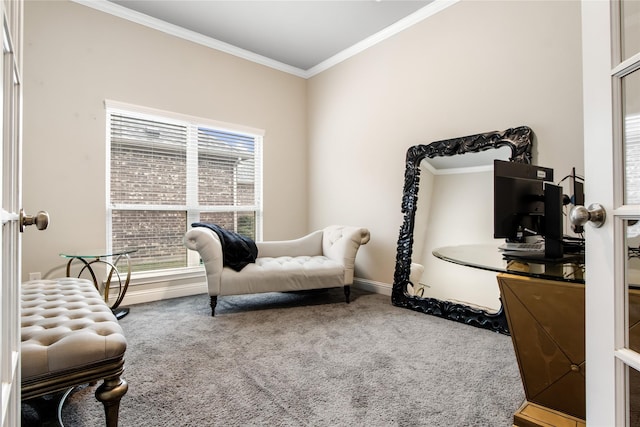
[[455, 207], [447, 201]]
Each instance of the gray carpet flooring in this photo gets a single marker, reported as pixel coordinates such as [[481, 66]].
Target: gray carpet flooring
[[306, 360]]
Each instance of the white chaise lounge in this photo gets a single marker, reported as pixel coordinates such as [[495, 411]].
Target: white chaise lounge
[[322, 259]]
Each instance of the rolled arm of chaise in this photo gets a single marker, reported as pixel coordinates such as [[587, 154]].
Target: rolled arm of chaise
[[207, 243], [341, 243], [311, 244]]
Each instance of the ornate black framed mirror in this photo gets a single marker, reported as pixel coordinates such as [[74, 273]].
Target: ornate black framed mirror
[[514, 144]]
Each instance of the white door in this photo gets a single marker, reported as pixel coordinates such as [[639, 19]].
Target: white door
[[10, 195], [611, 73]]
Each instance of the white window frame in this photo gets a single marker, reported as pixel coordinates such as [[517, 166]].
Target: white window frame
[[192, 208]]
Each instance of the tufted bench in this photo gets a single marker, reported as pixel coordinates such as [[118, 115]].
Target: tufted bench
[[70, 337], [323, 259]]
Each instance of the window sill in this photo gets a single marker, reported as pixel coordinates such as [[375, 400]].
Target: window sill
[[169, 275], [157, 285]]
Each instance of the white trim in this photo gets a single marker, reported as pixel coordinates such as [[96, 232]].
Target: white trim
[[164, 284], [110, 104], [191, 281], [457, 171], [6, 216], [174, 30], [602, 395], [373, 286], [416, 17], [107, 181], [166, 275], [627, 67], [625, 212], [221, 208], [629, 357], [157, 293], [259, 171], [183, 33]]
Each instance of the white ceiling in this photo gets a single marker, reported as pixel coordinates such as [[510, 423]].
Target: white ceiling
[[297, 34]]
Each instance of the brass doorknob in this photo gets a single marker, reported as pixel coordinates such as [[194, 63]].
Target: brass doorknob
[[41, 220]]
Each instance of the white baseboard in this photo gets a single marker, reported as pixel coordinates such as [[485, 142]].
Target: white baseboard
[[373, 286], [139, 296], [141, 293]]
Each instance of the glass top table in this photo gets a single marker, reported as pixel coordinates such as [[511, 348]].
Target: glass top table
[[97, 253], [89, 258], [488, 257]]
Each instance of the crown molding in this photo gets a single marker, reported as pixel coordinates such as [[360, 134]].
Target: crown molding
[[174, 30], [409, 21]]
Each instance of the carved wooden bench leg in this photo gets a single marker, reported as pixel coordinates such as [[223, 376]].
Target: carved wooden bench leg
[[213, 303], [347, 293], [109, 393]]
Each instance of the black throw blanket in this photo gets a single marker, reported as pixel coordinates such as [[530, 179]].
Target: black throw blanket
[[237, 250]]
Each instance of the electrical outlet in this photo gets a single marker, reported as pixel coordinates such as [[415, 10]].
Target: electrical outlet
[[35, 276]]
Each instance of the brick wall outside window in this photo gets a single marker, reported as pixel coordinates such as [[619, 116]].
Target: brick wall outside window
[[149, 203]]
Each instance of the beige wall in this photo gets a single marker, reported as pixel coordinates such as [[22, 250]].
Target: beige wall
[[477, 66], [335, 144], [76, 57]]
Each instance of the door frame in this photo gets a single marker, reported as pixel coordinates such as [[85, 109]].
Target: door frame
[[605, 292]]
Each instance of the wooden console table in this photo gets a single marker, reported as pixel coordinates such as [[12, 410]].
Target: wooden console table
[[544, 306]]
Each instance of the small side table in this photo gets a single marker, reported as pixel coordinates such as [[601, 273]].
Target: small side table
[[89, 258]]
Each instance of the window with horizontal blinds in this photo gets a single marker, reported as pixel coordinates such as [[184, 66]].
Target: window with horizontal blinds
[[227, 168], [632, 159], [148, 162], [167, 173]]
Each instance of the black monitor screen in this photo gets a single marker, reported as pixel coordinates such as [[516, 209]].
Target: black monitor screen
[[519, 199]]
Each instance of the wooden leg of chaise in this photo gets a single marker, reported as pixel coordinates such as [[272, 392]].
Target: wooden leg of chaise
[[347, 293], [109, 393], [213, 303]]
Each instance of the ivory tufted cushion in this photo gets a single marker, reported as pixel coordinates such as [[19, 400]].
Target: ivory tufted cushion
[[66, 325], [285, 273]]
